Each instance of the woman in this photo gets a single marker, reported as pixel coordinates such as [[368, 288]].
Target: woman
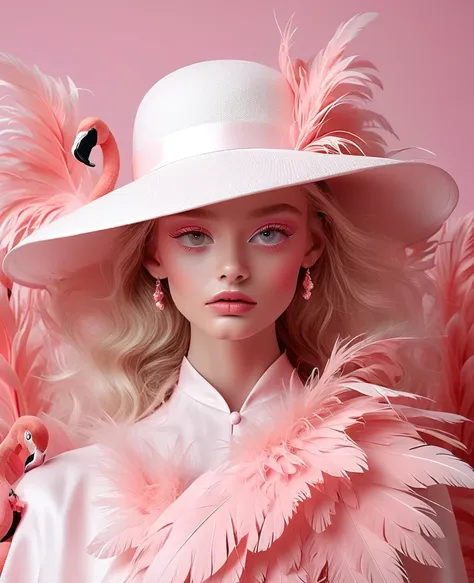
[[203, 312]]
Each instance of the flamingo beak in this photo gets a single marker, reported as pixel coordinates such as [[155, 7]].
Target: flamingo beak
[[83, 146], [34, 460]]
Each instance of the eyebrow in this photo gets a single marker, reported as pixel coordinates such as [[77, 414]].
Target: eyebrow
[[276, 208]]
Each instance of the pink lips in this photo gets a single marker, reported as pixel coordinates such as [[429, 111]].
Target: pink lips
[[231, 303]]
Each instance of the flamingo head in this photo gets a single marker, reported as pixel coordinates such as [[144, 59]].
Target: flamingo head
[[32, 435], [91, 131]]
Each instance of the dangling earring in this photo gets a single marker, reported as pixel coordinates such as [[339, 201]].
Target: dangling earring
[[158, 296], [307, 285]]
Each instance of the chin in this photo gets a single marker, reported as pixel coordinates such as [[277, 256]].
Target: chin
[[233, 329]]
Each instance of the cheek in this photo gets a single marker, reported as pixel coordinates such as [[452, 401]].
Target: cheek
[[178, 279], [278, 286], [185, 271], [287, 275], [281, 274]]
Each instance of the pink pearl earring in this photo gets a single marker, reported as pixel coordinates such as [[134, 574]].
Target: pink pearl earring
[[307, 285], [158, 296]]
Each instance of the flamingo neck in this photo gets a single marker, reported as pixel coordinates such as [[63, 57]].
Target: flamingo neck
[[110, 168], [7, 448]]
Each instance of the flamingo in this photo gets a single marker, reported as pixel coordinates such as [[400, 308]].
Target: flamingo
[[29, 435], [91, 132], [40, 181]]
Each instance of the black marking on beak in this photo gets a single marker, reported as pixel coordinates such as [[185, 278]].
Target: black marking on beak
[[34, 460], [29, 459], [83, 146]]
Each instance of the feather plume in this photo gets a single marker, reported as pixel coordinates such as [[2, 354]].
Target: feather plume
[[39, 181], [342, 466], [18, 365], [39, 178], [10, 410], [22, 392], [453, 275], [454, 264], [331, 92], [147, 485]]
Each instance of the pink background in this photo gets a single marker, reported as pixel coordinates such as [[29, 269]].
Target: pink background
[[119, 48]]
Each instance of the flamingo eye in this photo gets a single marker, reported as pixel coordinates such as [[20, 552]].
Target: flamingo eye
[[27, 436]]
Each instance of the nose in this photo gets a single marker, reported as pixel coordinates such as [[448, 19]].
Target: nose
[[232, 264]]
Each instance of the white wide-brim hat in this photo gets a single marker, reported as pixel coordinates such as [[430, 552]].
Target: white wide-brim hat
[[219, 130]]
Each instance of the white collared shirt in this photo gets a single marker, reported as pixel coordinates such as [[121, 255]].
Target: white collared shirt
[[197, 421], [50, 543]]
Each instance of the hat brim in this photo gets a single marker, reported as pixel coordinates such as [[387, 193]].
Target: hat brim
[[403, 200]]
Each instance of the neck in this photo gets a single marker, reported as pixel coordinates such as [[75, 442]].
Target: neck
[[7, 448], [110, 168], [233, 367]]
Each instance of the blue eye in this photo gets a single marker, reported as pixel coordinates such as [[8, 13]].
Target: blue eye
[[270, 236]]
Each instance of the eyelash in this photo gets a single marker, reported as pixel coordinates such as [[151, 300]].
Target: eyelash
[[269, 227], [273, 227], [188, 230]]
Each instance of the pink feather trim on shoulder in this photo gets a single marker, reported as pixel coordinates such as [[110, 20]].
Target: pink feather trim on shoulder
[[338, 474], [140, 485]]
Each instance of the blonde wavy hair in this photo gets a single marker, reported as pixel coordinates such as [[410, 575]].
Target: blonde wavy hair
[[130, 352]]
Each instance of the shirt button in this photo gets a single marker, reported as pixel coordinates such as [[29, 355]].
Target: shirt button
[[235, 418]]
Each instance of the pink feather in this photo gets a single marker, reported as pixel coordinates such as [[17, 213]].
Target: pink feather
[[283, 561], [10, 410], [454, 265], [331, 92], [39, 178], [344, 461], [22, 392], [453, 275], [147, 485], [350, 552]]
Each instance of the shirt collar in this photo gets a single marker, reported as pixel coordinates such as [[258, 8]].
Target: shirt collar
[[277, 379]]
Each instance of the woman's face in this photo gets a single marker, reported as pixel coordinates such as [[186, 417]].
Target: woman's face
[[249, 249]]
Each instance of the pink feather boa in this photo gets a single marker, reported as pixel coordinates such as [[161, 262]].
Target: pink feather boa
[[331, 491]]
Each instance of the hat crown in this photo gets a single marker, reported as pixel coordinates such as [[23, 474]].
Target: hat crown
[[212, 92]]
